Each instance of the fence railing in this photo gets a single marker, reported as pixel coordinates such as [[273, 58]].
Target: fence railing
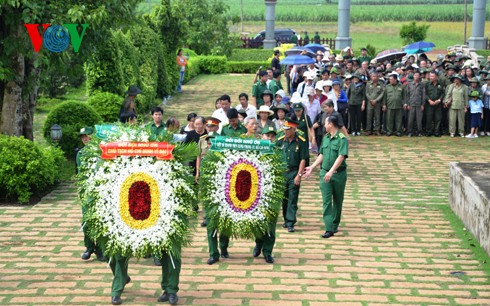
[[487, 44], [248, 42]]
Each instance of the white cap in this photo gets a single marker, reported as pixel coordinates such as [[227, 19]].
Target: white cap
[[296, 98]]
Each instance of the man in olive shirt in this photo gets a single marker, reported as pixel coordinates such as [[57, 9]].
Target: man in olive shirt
[[364, 56], [275, 83], [157, 127], [374, 96], [333, 174], [295, 150], [414, 102], [234, 128], [434, 91], [258, 89], [356, 94], [392, 105]]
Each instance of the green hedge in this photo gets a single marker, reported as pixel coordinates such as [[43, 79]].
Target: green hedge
[[245, 66], [212, 64], [26, 168], [71, 116], [107, 105], [250, 55], [193, 68]]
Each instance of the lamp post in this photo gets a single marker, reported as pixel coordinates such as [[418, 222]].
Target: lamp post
[[56, 133]]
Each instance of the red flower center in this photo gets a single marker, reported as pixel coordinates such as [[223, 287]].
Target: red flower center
[[243, 185], [139, 200]]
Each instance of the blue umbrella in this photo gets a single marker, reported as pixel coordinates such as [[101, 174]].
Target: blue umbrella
[[419, 47], [315, 47], [297, 60], [299, 50]]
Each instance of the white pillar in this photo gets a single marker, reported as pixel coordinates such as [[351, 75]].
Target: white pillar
[[343, 40], [270, 17], [477, 39]]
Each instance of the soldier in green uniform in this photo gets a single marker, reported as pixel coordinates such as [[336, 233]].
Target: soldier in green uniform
[[434, 94], [266, 243], [234, 127], [392, 105], [89, 243], [374, 95], [295, 150], [304, 126], [364, 56], [258, 89], [157, 127], [333, 174], [212, 234]]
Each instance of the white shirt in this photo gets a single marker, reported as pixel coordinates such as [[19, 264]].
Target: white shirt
[[221, 115], [312, 109], [250, 110]]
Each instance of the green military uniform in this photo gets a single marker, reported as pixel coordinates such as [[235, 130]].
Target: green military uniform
[[257, 91], [229, 131], [158, 130], [294, 152], [393, 99], [374, 92], [433, 113], [362, 59], [274, 86], [332, 148]]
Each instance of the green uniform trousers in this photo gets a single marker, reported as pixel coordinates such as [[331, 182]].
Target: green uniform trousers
[[119, 267], [333, 190], [170, 275], [433, 117], [266, 242], [89, 243], [290, 201], [213, 242], [373, 111], [394, 118], [456, 115]]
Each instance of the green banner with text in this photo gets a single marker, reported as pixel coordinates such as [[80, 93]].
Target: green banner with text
[[221, 143]]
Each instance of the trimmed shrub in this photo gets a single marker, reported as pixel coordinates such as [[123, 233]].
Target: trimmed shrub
[[250, 55], [245, 66], [107, 105], [213, 64], [26, 168], [193, 68], [71, 116], [129, 59]]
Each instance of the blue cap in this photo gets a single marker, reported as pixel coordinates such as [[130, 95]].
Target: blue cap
[[335, 82], [285, 100]]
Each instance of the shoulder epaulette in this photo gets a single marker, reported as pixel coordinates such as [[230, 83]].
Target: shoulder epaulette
[[203, 136], [341, 135], [282, 137], [301, 137]]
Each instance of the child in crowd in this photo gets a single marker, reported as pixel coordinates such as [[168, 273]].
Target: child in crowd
[[476, 106]]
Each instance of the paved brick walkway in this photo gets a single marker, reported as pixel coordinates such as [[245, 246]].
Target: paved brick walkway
[[396, 245]]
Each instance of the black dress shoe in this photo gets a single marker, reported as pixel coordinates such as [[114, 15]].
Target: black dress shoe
[[336, 230], [224, 253], [128, 280], [388, 134], [86, 255], [268, 259], [100, 256], [204, 223], [399, 134], [437, 135], [284, 225], [163, 297], [257, 251], [173, 298], [291, 229], [116, 300], [157, 261], [212, 260], [327, 235]]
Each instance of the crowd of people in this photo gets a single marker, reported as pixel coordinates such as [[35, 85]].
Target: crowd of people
[[414, 96]]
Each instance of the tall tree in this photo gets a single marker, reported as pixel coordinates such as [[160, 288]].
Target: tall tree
[[20, 66]]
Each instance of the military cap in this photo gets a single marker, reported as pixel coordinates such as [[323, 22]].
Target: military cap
[[456, 76], [474, 93], [474, 80], [133, 90], [212, 121], [267, 92], [269, 129], [281, 106], [487, 78], [485, 72], [88, 130], [290, 123], [297, 106]]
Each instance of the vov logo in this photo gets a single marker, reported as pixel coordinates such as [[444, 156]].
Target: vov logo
[[56, 38]]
